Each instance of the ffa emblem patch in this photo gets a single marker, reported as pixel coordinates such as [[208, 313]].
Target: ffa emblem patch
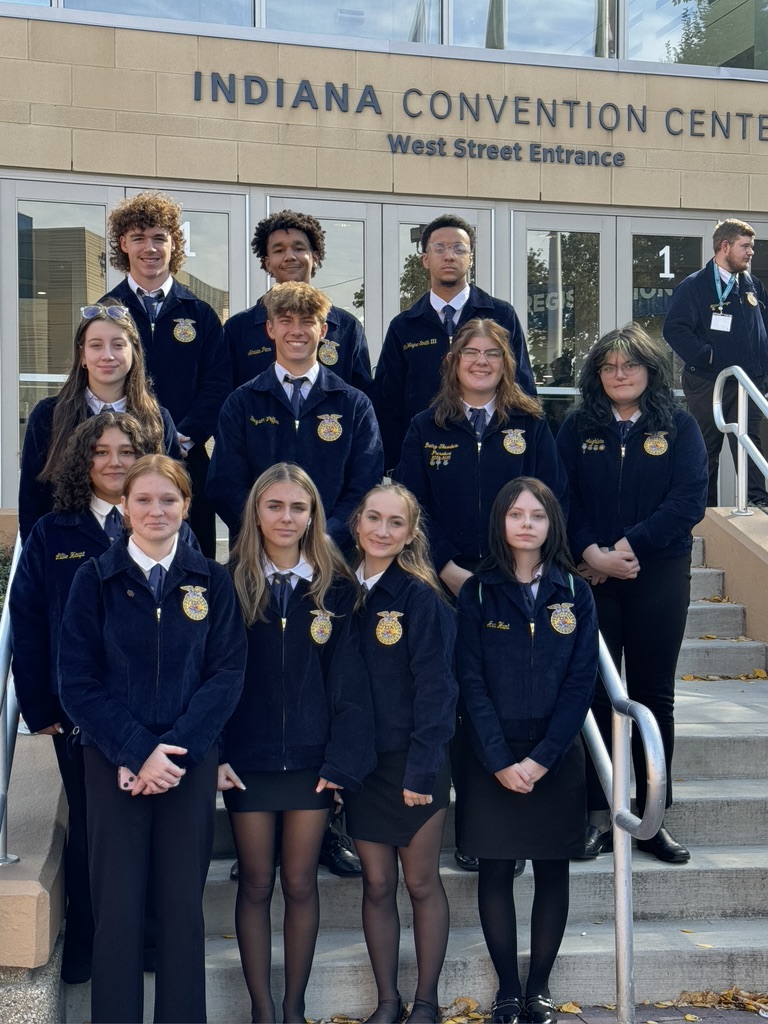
[[321, 627], [751, 298], [656, 444], [562, 619], [194, 605], [329, 428], [389, 630], [514, 442], [184, 331], [593, 444], [327, 353]]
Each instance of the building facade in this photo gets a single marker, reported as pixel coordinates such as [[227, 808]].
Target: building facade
[[593, 145]]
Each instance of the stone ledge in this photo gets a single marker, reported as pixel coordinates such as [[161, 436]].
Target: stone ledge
[[33, 994], [9, 523]]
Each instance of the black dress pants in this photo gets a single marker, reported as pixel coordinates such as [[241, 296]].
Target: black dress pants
[[170, 837], [643, 620], [202, 518]]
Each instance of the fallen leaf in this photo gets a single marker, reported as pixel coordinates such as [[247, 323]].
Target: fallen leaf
[[687, 931], [708, 636], [692, 1017], [704, 945], [688, 679], [570, 1008]]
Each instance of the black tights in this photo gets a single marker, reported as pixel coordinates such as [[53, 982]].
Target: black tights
[[496, 902], [381, 922], [254, 833]]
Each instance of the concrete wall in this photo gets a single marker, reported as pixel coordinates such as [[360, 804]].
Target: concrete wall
[[94, 99], [739, 545]]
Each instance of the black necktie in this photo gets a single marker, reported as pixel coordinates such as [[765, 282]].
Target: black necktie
[[151, 303], [113, 525], [107, 408], [448, 314], [477, 418], [624, 428], [156, 577], [297, 399], [281, 588]]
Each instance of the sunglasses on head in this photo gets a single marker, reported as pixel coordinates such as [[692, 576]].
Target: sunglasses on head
[[113, 312]]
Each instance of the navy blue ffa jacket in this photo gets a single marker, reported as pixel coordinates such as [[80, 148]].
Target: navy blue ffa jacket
[[187, 357], [133, 674], [57, 546], [306, 702], [336, 440], [651, 489], [688, 325], [407, 637], [408, 372], [344, 348], [456, 478], [525, 677], [35, 496]]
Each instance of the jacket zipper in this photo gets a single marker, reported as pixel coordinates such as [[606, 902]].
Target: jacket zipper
[[157, 671], [623, 449], [479, 496], [283, 623], [532, 627]]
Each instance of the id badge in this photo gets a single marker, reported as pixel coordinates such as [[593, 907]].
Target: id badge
[[721, 322]]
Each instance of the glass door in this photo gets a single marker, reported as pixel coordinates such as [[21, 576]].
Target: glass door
[[565, 296]]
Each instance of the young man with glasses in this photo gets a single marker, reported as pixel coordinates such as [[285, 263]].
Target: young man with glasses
[[408, 373], [186, 355]]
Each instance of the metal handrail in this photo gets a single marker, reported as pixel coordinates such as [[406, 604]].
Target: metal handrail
[[746, 389], [9, 714], [626, 824]]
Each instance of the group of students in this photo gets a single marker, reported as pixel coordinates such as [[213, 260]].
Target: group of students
[[289, 680]]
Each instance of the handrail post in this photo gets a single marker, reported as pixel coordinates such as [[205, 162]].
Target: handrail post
[[622, 872], [741, 455], [9, 717]]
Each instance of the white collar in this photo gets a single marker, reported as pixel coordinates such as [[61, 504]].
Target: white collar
[[632, 419], [96, 405], [101, 509], [302, 569], [457, 302], [165, 287], [371, 582], [144, 562], [490, 408], [310, 374]]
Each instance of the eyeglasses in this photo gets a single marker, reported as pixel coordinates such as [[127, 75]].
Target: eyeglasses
[[441, 248], [612, 369], [113, 312], [471, 355]]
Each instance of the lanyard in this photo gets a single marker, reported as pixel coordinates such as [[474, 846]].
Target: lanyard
[[722, 295]]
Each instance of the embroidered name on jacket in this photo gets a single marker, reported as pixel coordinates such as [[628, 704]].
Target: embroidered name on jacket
[[419, 344], [497, 625], [593, 444], [264, 419], [440, 454], [260, 351], [62, 555]]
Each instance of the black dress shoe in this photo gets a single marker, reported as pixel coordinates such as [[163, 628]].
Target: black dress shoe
[[506, 1011], [663, 846], [468, 863], [423, 1012], [540, 1010], [389, 1011], [336, 854], [519, 868], [234, 872], [596, 842]]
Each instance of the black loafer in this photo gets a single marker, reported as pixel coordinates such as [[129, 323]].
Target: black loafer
[[506, 1011], [519, 868], [596, 842], [540, 1010], [467, 863], [337, 856], [663, 846]]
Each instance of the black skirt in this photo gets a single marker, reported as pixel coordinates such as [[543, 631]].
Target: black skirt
[[278, 791], [377, 812], [547, 824]]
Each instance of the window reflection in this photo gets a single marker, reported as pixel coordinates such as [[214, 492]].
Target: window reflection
[[581, 28], [341, 275], [416, 21], [206, 267], [212, 12], [729, 33]]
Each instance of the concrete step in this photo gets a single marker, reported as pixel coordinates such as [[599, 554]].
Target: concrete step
[[717, 882], [715, 619], [671, 957], [697, 552], [726, 812], [728, 658], [706, 582]]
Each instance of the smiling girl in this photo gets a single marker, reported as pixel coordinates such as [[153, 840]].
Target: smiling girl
[[151, 662], [107, 372], [407, 638], [527, 661]]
